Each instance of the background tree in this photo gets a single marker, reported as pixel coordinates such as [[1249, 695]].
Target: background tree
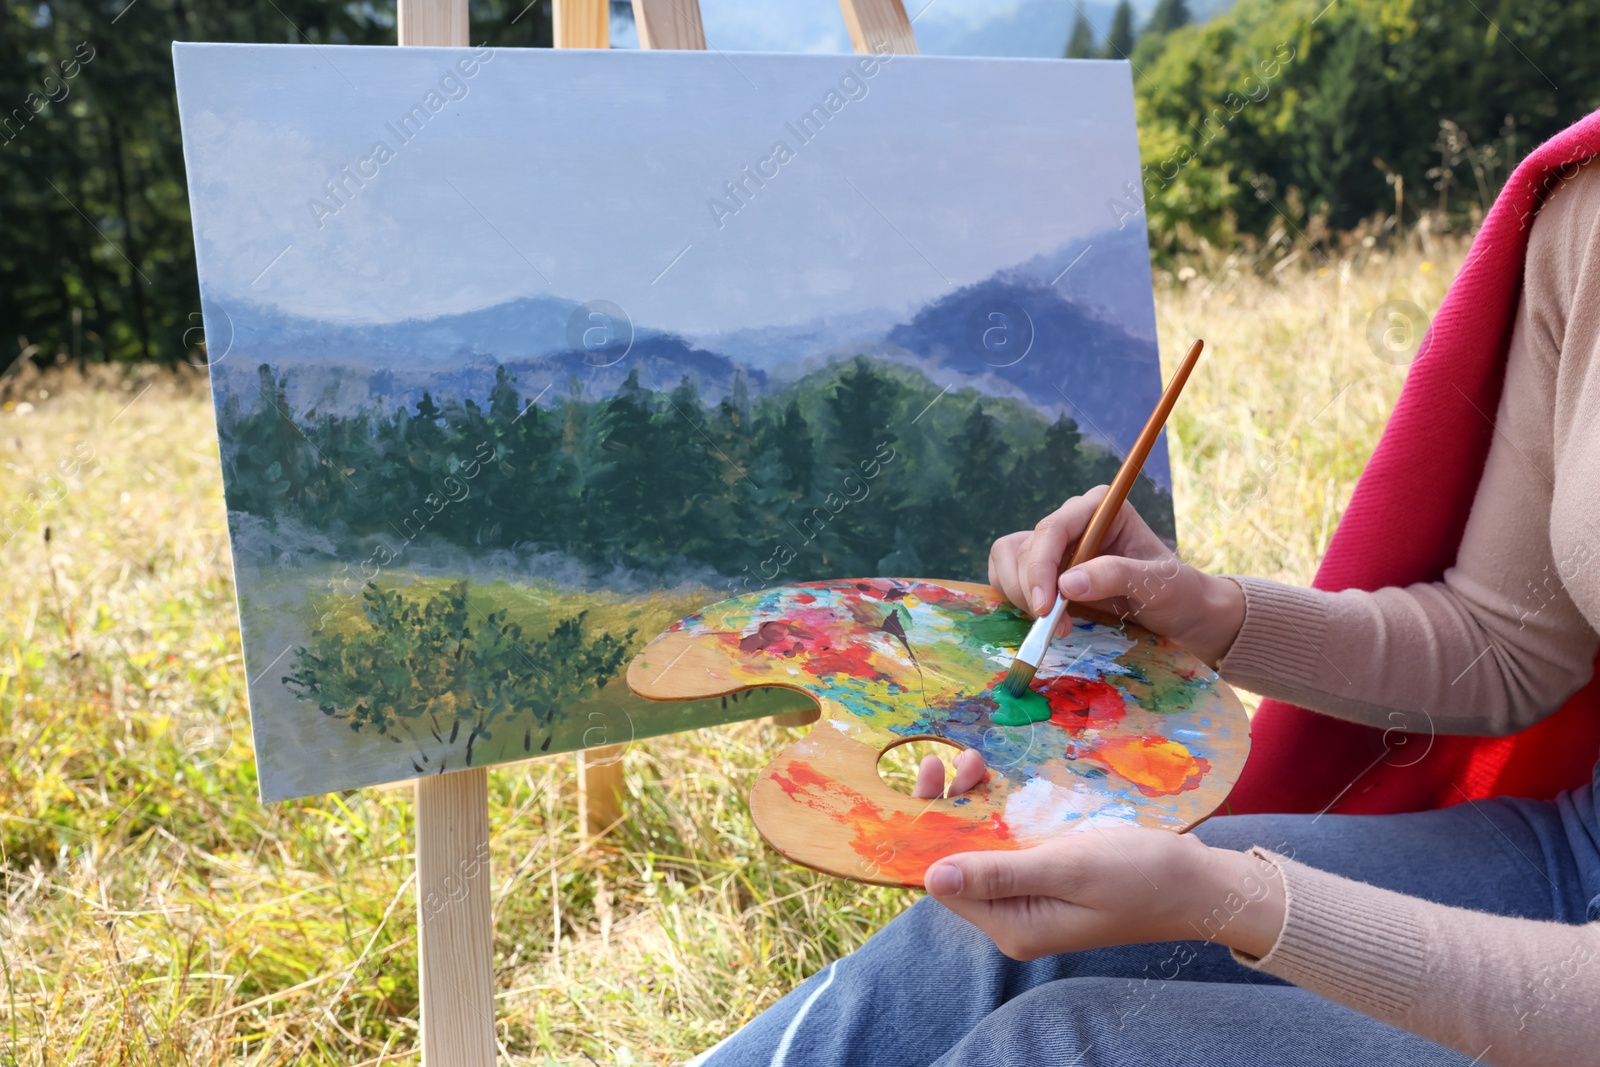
[[1286, 109], [1169, 15], [1081, 44], [96, 251], [1120, 37]]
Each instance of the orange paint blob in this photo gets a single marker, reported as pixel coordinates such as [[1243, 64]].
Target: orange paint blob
[[1160, 768], [903, 846]]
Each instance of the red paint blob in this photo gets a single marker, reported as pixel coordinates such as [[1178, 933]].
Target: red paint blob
[[1076, 703], [853, 659]]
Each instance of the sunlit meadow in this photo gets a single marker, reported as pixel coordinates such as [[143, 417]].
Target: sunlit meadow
[[157, 913]]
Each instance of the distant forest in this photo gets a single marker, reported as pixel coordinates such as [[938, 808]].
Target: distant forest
[[862, 468], [1268, 116]]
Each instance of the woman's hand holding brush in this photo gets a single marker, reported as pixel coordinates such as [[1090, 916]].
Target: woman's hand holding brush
[[1135, 577]]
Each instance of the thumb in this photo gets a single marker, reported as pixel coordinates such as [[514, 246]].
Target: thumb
[[1101, 578], [992, 875]]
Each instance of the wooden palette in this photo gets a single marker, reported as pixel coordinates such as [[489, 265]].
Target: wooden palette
[[1139, 731]]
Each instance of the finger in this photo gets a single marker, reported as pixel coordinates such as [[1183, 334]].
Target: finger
[[1005, 568], [1055, 532], [995, 875], [970, 770], [1024, 928], [1104, 577], [930, 778], [1064, 624]]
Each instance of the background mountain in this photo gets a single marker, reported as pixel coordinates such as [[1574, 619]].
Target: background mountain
[[344, 367]]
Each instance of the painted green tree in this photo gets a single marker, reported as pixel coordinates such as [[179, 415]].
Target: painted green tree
[[437, 677], [854, 470]]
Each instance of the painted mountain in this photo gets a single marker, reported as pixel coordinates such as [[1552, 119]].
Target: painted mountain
[[1067, 334], [661, 455]]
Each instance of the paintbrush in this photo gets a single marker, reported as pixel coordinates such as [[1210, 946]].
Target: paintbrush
[[1020, 676]]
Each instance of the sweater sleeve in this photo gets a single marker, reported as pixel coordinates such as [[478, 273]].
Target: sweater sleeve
[[1506, 991], [1498, 643]]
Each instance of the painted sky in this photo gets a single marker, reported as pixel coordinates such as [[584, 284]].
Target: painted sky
[[589, 176]]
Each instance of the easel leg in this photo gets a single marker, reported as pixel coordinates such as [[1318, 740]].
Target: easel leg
[[455, 926], [600, 788], [454, 921]]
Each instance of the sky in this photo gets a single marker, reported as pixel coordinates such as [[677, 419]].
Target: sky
[[595, 175], [942, 27], [807, 26]]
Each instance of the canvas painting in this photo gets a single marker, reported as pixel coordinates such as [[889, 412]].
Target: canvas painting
[[520, 356]]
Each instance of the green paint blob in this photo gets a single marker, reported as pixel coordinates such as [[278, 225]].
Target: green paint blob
[[1030, 707], [1003, 628]]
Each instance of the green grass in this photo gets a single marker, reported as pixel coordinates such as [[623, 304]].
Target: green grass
[[156, 913]]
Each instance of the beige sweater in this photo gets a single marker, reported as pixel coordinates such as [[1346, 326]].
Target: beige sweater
[[1501, 642]]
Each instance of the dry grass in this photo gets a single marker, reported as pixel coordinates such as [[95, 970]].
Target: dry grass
[[156, 913], [1289, 399]]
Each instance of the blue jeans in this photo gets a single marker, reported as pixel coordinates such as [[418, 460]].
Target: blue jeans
[[930, 988]]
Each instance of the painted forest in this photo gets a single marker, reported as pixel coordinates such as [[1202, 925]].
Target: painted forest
[[864, 467]]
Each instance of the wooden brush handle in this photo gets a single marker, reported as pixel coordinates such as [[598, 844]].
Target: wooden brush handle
[[1133, 463]]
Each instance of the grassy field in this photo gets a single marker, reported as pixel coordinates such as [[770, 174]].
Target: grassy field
[[156, 913]]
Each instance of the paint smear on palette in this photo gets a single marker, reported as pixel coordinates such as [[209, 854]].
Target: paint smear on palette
[[892, 844], [1081, 703], [1043, 807], [1089, 649]]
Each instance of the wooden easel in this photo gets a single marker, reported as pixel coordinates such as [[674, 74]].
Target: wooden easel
[[454, 920]]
